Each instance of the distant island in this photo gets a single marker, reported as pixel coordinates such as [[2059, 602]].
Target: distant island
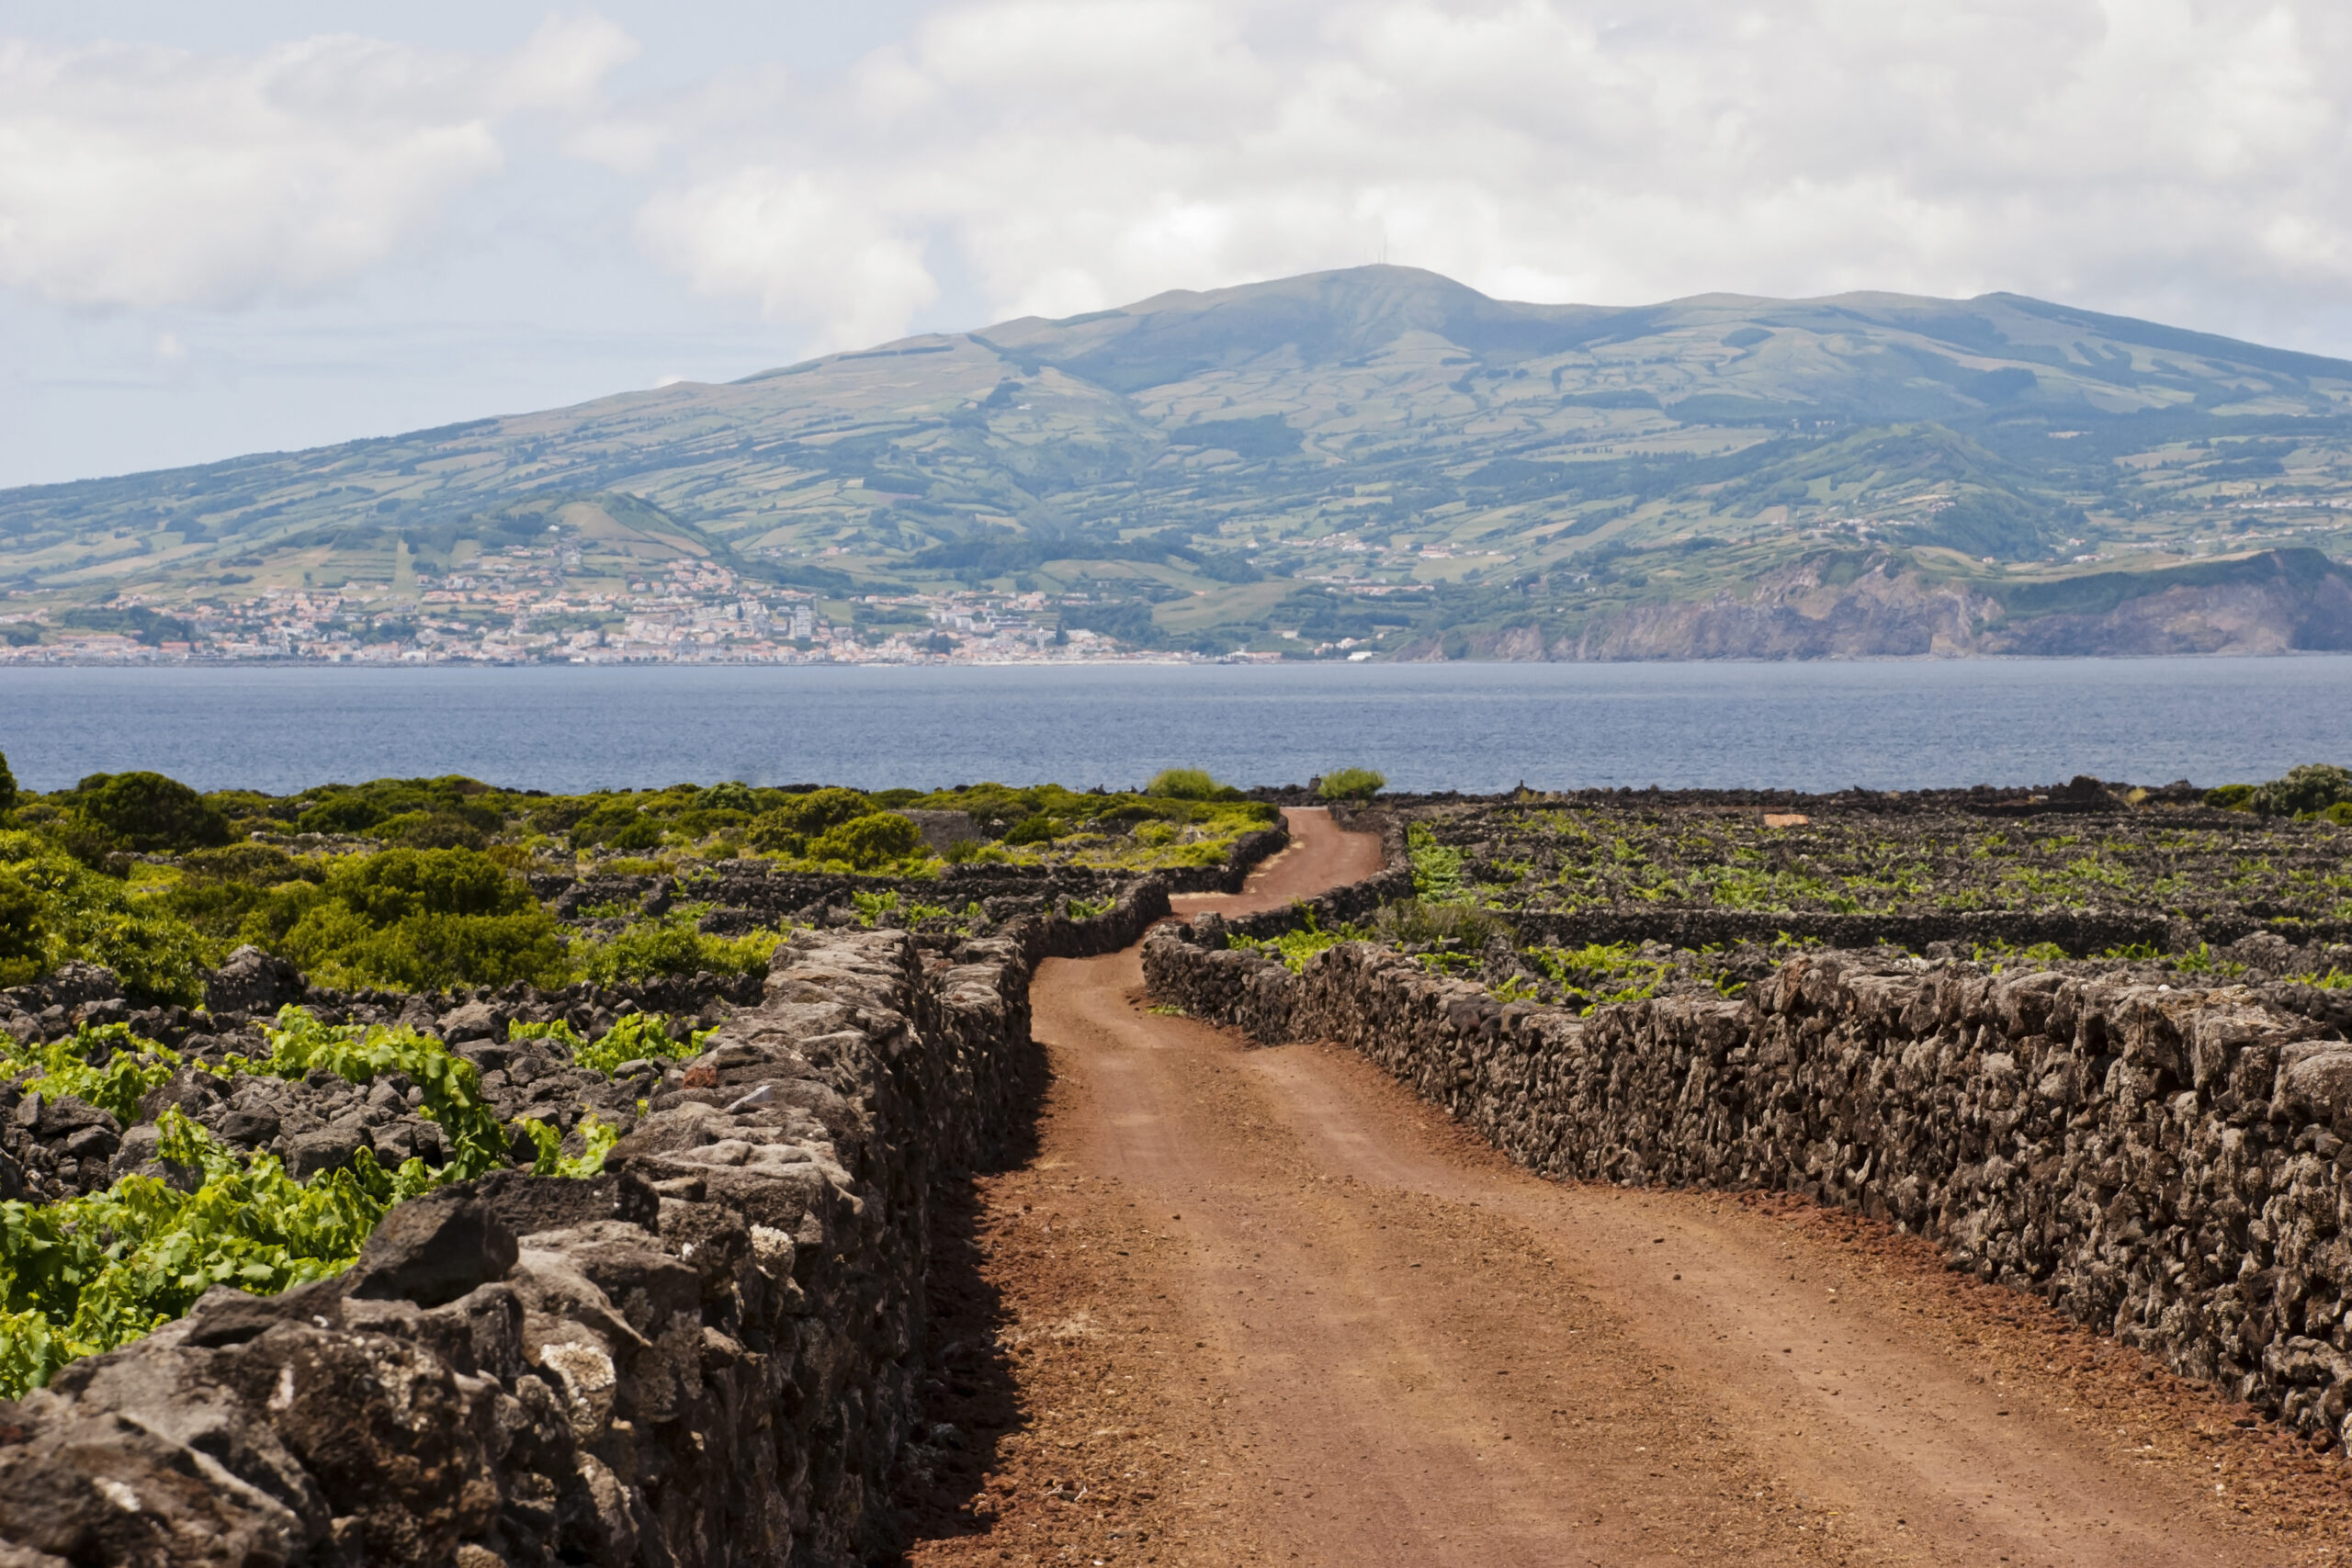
[[1376, 463]]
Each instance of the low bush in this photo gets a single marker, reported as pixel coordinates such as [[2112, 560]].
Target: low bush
[[616, 824], [261, 864], [54, 909], [431, 830], [146, 812], [361, 1054], [2313, 787], [674, 945], [868, 843], [1351, 784], [24, 935], [788, 828], [416, 920], [1189, 783], [1438, 874], [363, 808]]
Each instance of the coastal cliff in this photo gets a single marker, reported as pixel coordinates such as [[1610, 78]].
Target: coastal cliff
[[2284, 601]]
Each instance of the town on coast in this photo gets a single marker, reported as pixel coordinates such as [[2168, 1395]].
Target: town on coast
[[516, 607]]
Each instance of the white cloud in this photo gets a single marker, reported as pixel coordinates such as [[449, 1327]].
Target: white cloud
[[2184, 159], [146, 178], [809, 251], [2151, 155], [564, 64]]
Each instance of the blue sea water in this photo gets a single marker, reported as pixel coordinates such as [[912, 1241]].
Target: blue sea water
[[1467, 727]]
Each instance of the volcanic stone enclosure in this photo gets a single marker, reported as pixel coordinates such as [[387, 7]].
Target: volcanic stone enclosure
[[708, 1354], [2172, 1166]]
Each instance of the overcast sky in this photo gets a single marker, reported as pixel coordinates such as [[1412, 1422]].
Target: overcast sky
[[250, 224]]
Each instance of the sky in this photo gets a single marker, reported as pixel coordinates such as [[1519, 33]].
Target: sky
[[255, 225]]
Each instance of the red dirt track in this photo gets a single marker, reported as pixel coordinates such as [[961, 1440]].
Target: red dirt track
[[1262, 1305]]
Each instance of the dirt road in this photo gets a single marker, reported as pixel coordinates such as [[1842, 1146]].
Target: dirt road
[[1262, 1305]]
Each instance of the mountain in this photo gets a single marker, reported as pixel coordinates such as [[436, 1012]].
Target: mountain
[[1378, 456]]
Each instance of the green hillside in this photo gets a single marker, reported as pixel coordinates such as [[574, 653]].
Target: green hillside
[[1377, 453]]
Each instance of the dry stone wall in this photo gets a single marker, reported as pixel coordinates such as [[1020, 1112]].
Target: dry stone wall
[[705, 1355], [2174, 1167], [747, 893]]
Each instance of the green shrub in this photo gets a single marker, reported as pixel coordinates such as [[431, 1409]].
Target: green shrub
[[800, 817], [361, 808], [642, 1036], [641, 834], [417, 919], [869, 841], [2313, 787], [1600, 974], [558, 1031], [7, 785], [672, 945], [397, 884], [1351, 784], [1189, 783], [1030, 831], [24, 936], [732, 795], [2231, 797], [262, 865], [248, 810], [343, 814], [1437, 876], [75, 913], [220, 890], [617, 824], [431, 830], [2340, 814], [702, 823], [147, 812], [1132, 810]]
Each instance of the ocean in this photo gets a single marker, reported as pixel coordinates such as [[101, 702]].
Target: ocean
[[1475, 727]]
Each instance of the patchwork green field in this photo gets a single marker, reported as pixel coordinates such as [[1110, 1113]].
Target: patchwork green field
[[1547, 897], [2164, 854]]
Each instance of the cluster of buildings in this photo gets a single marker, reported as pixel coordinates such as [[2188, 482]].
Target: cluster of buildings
[[689, 613]]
